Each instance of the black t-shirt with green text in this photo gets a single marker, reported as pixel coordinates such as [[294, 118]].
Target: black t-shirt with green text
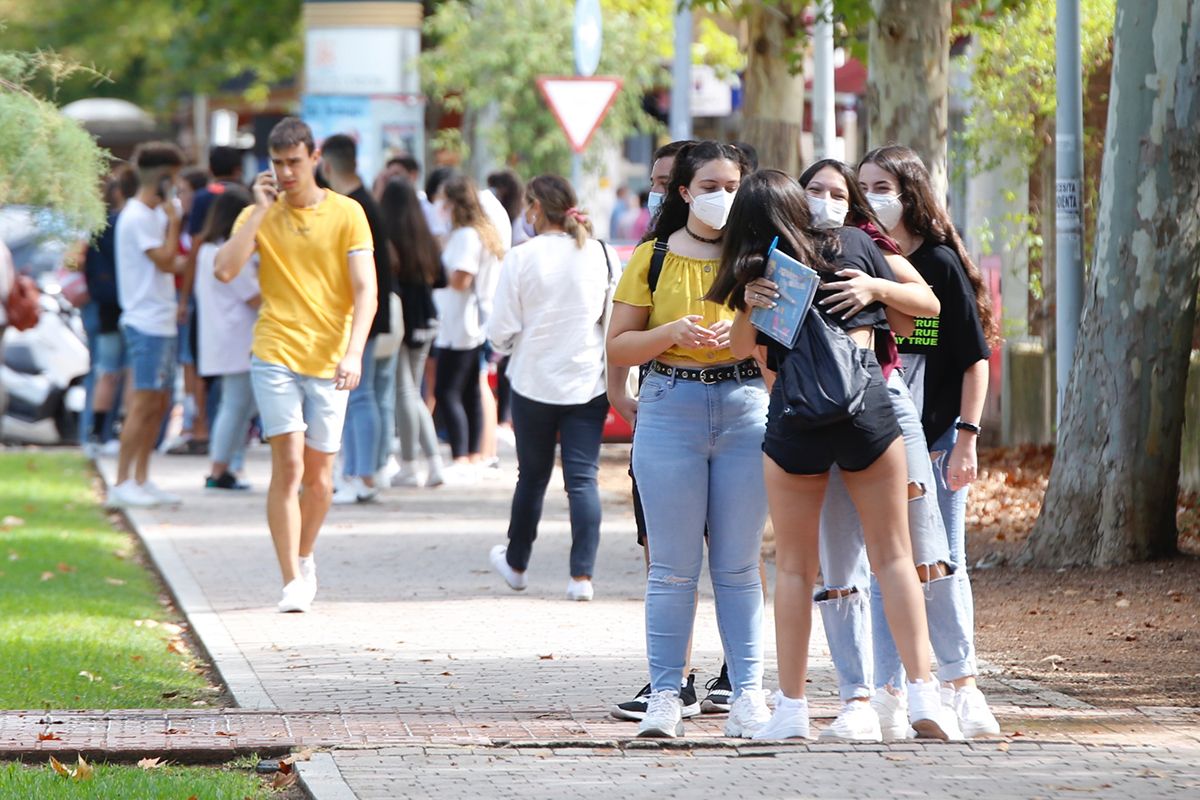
[[943, 347]]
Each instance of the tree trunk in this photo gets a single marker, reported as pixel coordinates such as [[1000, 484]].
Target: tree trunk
[[773, 112], [1113, 488], [908, 79]]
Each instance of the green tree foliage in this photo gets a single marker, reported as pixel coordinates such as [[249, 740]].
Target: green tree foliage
[[156, 50], [489, 52], [45, 158]]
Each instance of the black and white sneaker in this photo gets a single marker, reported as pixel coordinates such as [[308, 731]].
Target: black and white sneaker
[[635, 709], [720, 694]]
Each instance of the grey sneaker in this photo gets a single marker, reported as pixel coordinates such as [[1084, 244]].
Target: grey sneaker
[[664, 716]]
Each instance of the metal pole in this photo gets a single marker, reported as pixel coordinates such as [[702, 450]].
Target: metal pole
[[1068, 173], [681, 76], [824, 126], [577, 173]]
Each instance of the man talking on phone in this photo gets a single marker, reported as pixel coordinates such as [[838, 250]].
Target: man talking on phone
[[317, 275], [146, 239]]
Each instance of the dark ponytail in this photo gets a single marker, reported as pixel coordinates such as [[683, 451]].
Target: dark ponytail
[[557, 200]]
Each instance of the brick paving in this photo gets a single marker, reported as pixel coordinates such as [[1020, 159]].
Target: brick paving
[[425, 676]]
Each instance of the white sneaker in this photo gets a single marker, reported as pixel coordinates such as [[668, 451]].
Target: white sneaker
[[515, 580], [308, 571], [407, 475], [90, 450], [790, 720], [389, 470], [151, 488], [892, 711], [111, 448], [856, 722], [974, 716], [580, 590], [130, 495], [664, 716], [928, 718], [297, 596], [354, 490], [748, 714], [458, 474]]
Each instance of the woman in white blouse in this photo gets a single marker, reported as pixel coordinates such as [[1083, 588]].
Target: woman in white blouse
[[549, 316]]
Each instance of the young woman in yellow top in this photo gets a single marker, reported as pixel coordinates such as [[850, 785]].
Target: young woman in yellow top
[[697, 443]]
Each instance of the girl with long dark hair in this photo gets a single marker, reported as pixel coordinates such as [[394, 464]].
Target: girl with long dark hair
[[866, 444], [946, 368], [418, 268], [696, 444]]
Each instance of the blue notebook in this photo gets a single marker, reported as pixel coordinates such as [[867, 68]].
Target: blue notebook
[[797, 287]]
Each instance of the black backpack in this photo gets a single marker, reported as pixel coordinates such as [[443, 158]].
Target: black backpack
[[823, 379]]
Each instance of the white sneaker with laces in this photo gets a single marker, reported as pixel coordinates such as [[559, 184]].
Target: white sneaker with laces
[[515, 580], [856, 722], [408, 475], [580, 590], [748, 714], [389, 470], [308, 570], [433, 473], [154, 490], [790, 720], [130, 495], [892, 711], [459, 474], [297, 596], [664, 716], [974, 716], [927, 717]]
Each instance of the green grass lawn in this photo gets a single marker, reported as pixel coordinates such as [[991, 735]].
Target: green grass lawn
[[80, 617], [131, 783]]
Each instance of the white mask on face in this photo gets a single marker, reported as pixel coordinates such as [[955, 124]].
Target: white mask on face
[[827, 213], [654, 201], [887, 207], [713, 208]]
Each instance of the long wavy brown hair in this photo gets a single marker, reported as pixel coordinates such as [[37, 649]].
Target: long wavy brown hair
[[465, 212]]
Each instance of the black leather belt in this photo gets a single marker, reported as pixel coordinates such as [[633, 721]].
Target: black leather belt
[[743, 370]]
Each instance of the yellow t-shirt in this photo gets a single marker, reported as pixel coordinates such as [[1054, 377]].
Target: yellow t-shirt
[[304, 274], [681, 285]]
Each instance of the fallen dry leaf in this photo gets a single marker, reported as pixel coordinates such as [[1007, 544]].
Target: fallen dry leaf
[[1002, 747], [10, 522], [64, 567], [547, 657], [137, 658], [59, 768], [48, 737], [92, 678], [896, 758], [175, 731], [177, 646], [1123, 603], [283, 780], [285, 766], [150, 763], [171, 628], [47, 576], [225, 733], [114, 581], [83, 771]]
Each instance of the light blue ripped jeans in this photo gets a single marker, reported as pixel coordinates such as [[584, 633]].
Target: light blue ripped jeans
[[860, 640], [697, 457]]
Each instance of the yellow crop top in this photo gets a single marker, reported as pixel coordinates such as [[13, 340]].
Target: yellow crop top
[[681, 285]]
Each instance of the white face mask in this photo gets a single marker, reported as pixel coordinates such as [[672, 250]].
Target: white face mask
[[654, 202], [827, 213], [887, 207], [713, 208]]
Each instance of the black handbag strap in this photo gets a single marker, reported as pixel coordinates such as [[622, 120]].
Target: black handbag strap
[[656, 263]]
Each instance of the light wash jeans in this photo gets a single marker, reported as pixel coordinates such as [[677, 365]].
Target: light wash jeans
[[853, 622], [360, 436], [697, 458], [414, 423], [234, 411], [385, 399]]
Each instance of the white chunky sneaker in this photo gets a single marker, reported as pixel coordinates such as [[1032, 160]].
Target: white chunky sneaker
[[129, 495], [407, 475], [974, 716], [515, 580], [856, 722], [297, 596], [790, 720], [664, 716], [580, 590], [158, 493], [892, 711], [927, 717], [748, 714]]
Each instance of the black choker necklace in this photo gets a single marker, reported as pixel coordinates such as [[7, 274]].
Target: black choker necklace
[[701, 238]]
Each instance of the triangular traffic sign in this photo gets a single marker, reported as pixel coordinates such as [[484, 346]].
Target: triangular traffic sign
[[579, 105]]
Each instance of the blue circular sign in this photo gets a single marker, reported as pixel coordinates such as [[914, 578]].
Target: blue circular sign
[[589, 37]]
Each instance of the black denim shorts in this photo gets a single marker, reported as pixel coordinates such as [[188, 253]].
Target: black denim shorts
[[853, 445]]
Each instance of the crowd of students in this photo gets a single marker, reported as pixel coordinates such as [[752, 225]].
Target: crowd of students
[[319, 306]]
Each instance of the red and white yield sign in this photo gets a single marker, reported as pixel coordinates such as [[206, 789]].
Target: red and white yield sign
[[579, 105]]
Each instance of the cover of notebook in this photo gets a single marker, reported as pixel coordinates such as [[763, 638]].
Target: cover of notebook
[[797, 287]]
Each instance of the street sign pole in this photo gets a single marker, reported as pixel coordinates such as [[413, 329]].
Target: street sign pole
[[1068, 175], [824, 128], [680, 121], [588, 40]]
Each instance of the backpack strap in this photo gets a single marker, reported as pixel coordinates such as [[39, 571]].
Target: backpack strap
[[656, 263]]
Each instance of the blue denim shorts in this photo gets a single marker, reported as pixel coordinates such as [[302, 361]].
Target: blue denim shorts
[[152, 359], [289, 402], [109, 353]]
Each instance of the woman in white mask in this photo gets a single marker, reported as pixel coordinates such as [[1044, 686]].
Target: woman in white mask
[[697, 454]]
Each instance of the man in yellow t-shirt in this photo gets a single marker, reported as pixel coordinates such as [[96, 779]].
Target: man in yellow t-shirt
[[317, 274]]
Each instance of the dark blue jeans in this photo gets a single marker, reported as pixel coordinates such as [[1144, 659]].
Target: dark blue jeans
[[578, 428]]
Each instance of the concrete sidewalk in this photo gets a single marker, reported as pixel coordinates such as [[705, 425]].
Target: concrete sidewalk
[[446, 683]]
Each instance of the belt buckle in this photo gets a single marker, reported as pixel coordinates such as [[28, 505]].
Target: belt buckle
[[704, 379]]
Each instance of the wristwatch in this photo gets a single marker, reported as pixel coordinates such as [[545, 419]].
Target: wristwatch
[[968, 426]]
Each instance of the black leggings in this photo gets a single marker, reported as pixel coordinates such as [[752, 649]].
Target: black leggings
[[458, 400]]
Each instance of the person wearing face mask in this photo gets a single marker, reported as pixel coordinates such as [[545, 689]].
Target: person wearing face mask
[[946, 368], [696, 449], [549, 316]]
